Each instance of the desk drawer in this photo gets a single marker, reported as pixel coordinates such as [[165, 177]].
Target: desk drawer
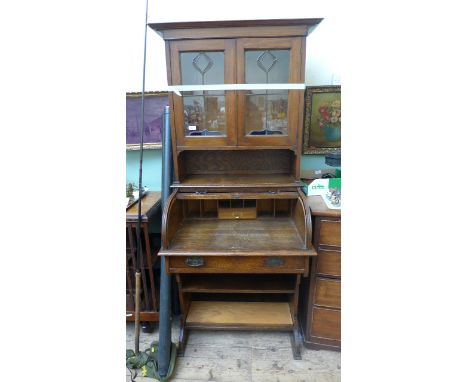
[[326, 323], [328, 293], [328, 262], [237, 213], [330, 232], [237, 264]]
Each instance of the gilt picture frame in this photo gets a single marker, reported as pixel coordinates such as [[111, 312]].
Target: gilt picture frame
[[154, 109], [322, 120]]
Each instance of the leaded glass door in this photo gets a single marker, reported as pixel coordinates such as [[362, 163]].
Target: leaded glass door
[[268, 117], [204, 117]]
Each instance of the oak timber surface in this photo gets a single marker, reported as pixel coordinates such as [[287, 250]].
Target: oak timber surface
[[319, 208], [214, 235], [254, 180], [150, 200], [239, 313]]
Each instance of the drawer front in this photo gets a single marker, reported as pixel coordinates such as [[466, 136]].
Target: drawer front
[[328, 293], [326, 323], [328, 262], [330, 232], [237, 213], [237, 264]]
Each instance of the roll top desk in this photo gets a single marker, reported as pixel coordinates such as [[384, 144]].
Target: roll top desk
[[236, 231]]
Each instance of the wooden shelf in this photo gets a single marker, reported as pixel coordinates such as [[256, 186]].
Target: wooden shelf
[[239, 284], [235, 180], [224, 314]]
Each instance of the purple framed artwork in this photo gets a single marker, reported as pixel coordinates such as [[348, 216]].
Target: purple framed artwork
[[154, 109]]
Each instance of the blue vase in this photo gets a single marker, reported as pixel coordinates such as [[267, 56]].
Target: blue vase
[[333, 134]]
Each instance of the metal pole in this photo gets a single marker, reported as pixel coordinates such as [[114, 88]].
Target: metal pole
[[164, 354], [138, 228]]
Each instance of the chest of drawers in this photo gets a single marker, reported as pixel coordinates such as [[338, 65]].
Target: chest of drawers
[[320, 308]]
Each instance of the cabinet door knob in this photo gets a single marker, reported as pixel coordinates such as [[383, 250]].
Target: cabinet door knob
[[194, 261]]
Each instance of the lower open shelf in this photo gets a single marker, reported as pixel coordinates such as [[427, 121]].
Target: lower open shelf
[[225, 314], [225, 283]]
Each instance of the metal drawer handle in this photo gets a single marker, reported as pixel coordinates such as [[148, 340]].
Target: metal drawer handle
[[274, 262], [194, 262]]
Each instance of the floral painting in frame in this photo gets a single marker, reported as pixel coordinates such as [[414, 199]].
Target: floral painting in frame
[[322, 125]]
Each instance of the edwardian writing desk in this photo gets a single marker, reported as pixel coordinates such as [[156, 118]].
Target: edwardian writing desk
[[150, 204], [236, 230]]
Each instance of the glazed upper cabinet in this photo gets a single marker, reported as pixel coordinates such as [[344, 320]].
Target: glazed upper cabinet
[[249, 135], [243, 118]]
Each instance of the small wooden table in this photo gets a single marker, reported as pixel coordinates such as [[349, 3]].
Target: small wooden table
[[150, 205]]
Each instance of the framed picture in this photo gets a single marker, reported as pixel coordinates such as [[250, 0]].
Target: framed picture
[[154, 109], [322, 125]]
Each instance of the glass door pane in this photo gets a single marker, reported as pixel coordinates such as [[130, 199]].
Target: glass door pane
[[268, 117], [266, 110], [204, 111]]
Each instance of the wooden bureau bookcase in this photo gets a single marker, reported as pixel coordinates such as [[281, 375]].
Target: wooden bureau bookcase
[[236, 230]]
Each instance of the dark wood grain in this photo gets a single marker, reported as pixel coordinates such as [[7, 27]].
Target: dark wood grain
[[149, 204], [234, 23], [328, 262], [213, 235], [238, 162], [329, 232], [326, 323], [231, 263], [327, 293], [320, 311], [239, 181]]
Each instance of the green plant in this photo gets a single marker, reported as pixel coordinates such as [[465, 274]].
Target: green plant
[[130, 188]]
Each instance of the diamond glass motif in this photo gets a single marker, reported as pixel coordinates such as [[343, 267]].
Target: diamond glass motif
[[266, 61], [202, 63]]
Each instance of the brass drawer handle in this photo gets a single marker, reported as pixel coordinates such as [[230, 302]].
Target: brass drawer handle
[[194, 262], [273, 262]]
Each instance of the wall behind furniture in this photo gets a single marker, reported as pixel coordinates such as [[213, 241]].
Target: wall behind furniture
[[322, 59]]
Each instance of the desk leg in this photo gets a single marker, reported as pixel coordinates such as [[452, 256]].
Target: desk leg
[[184, 299], [296, 342], [296, 339]]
